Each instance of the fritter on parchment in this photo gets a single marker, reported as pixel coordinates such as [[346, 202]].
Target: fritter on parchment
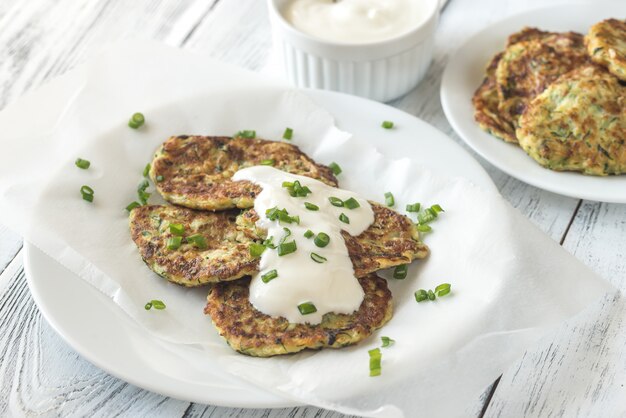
[[390, 241], [578, 124], [195, 171], [606, 44], [251, 332]]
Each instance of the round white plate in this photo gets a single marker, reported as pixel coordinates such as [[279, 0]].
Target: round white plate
[[97, 329], [465, 71]]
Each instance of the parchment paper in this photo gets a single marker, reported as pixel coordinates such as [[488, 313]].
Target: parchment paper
[[511, 283]]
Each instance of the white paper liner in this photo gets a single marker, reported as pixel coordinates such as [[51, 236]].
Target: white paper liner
[[511, 283]]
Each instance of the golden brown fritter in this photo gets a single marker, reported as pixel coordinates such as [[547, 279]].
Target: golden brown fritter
[[578, 124], [486, 100], [528, 67], [195, 171], [606, 44], [227, 256], [390, 241], [251, 332]]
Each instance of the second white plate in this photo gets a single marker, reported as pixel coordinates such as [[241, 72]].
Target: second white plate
[[465, 71]]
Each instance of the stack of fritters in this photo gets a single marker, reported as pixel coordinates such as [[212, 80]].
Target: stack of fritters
[[194, 173], [561, 97]]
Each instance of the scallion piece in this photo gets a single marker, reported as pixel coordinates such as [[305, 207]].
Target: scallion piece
[[424, 228], [141, 192], [87, 193], [426, 216], [269, 243], [335, 168], [281, 215], [147, 306], [308, 234], [400, 272], [343, 218], [256, 249], [335, 201], [159, 179], [375, 361], [311, 206], [136, 120], [437, 208], [287, 248], [443, 289], [174, 243], [146, 170], [158, 304], [387, 124], [431, 295], [198, 241], [421, 295], [389, 200], [415, 207], [318, 258], [80, 163], [351, 203], [307, 308], [248, 134], [287, 235], [269, 276], [177, 229], [88, 197], [387, 341], [132, 205], [321, 240], [288, 134], [269, 161]]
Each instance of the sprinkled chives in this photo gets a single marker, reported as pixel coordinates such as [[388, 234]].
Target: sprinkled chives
[[387, 341], [87, 193], [136, 120], [307, 308], [375, 361], [269, 276], [174, 243], [159, 179], [288, 134], [269, 161], [400, 272], [334, 167], [256, 249], [415, 207], [311, 206], [177, 229], [156, 304], [387, 124], [308, 234], [318, 258], [321, 240], [287, 248], [441, 290], [343, 218], [80, 163], [389, 200], [146, 170], [351, 203], [335, 201], [198, 241], [132, 205], [248, 134]]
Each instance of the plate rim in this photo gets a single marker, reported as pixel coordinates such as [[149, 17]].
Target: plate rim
[[474, 141], [31, 253]]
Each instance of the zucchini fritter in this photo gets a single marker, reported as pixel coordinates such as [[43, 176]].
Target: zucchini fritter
[[606, 44], [528, 67], [578, 124], [390, 241], [195, 171], [251, 332]]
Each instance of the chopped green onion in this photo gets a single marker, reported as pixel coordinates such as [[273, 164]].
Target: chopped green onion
[[268, 162], [159, 179], [296, 189], [431, 295], [443, 289], [307, 308], [269, 243], [321, 240], [288, 134], [318, 258], [437, 208], [87, 193], [198, 240], [387, 124], [335, 201], [146, 170], [375, 360], [132, 205], [426, 216], [287, 248], [415, 207], [248, 134], [80, 163], [287, 235], [424, 228], [343, 218], [387, 341], [421, 295], [136, 120], [334, 167], [157, 304], [147, 306], [174, 243], [281, 215], [256, 249], [269, 276], [311, 206], [400, 272], [389, 200], [141, 192], [308, 234], [351, 203], [177, 229]]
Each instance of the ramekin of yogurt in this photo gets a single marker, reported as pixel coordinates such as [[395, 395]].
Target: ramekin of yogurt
[[379, 49]]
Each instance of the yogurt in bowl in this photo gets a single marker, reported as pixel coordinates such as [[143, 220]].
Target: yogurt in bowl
[[378, 49]]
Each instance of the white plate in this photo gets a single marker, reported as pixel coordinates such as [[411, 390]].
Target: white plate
[[465, 71], [97, 329]]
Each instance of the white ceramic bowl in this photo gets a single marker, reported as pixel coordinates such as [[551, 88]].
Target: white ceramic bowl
[[382, 70]]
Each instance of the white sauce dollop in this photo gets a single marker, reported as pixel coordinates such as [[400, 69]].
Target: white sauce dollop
[[331, 286], [354, 21]]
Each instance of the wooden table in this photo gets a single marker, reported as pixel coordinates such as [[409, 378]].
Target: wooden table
[[579, 371]]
